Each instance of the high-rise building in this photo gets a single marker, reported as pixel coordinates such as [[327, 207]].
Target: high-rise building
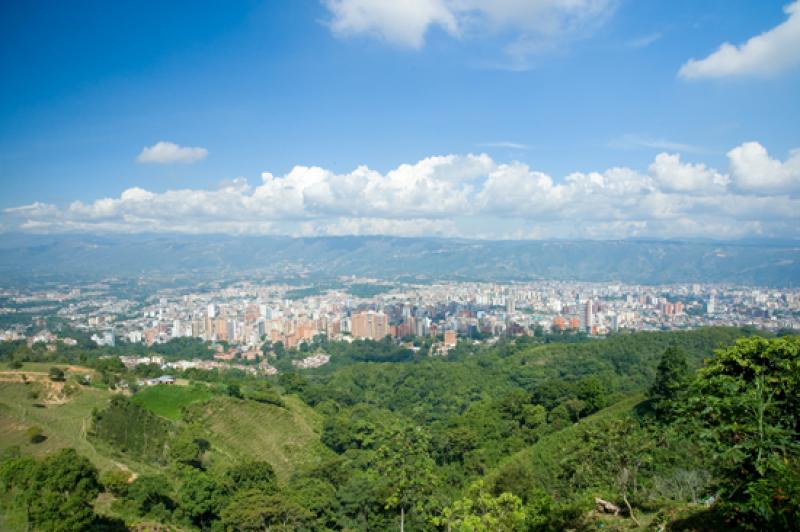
[[587, 316], [371, 324], [221, 329], [450, 339]]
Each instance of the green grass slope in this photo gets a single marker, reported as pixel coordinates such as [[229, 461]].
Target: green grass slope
[[169, 400], [64, 424], [287, 438]]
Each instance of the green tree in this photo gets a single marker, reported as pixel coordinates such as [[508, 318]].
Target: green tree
[[200, 497], [672, 376], [747, 400], [62, 493], [187, 449], [258, 475], [150, 495], [246, 511], [318, 496], [17, 473], [234, 390], [560, 416], [454, 443], [359, 427], [403, 461], [591, 391], [362, 500], [256, 510], [480, 511]]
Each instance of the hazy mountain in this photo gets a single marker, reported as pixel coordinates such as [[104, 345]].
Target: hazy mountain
[[764, 262]]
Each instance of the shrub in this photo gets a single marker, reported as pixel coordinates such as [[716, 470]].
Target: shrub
[[116, 482], [36, 435]]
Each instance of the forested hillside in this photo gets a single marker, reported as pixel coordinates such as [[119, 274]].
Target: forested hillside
[[691, 430]]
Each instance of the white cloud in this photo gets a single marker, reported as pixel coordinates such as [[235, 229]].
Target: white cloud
[[402, 23], [767, 54], [632, 141], [673, 175], [405, 23], [645, 41], [753, 170], [505, 144], [462, 195], [170, 153]]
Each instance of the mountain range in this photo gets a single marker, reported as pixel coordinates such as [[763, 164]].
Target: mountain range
[[773, 263]]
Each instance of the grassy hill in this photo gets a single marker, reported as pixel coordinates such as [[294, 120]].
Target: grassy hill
[[169, 400], [287, 438], [64, 424]]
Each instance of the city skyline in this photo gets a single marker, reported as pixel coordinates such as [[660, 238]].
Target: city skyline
[[252, 323], [492, 120]]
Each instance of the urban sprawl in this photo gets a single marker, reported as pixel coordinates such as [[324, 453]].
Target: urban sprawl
[[241, 319]]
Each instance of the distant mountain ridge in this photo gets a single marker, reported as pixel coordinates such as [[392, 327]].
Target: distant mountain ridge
[[633, 261]]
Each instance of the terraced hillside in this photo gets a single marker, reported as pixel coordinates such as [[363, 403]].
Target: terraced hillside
[[287, 438]]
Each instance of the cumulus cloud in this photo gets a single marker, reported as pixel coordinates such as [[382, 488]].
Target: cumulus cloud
[[462, 195], [405, 23], [753, 170], [767, 54], [170, 153], [673, 175]]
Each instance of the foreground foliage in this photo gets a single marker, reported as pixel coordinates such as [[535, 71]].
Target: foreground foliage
[[515, 437]]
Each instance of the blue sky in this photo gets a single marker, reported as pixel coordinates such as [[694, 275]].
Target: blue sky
[[536, 90]]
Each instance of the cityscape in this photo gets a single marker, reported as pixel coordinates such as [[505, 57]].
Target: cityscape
[[246, 316], [400, 265]]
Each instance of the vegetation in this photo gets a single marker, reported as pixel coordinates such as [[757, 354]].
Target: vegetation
[[132, 430], [168, 401], [686, 430]]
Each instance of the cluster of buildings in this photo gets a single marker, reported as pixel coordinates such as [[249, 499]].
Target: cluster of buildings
[[241, 317], [263, 367]]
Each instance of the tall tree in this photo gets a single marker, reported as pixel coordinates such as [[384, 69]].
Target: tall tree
[[672, 376], [405, 464], [747, 401]]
